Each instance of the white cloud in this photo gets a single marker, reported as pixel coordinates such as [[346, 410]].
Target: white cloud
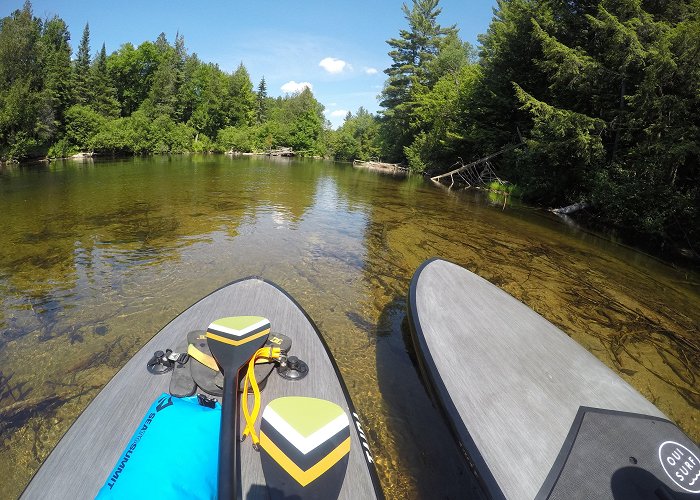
[[334, 66], [292, 87], [371, 71], [338, 113]]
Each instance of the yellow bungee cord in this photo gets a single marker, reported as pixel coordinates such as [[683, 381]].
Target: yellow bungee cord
[[264, 354]]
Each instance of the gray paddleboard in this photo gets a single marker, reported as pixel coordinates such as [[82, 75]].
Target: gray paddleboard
[[536, 414], [82, 460]]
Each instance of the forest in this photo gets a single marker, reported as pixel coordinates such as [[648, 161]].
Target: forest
[[603, 94], [154, 98]]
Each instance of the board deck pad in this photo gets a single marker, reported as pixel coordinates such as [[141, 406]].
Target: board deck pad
[[78, 466], [510, 385], [305, 445], [623, 455]]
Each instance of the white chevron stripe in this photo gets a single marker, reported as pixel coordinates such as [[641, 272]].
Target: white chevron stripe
[[239, 333], [305, 444]]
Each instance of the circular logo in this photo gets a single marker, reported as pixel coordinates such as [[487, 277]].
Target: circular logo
[[681, 465]]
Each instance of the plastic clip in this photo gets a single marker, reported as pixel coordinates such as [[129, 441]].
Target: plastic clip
[[206, 401]]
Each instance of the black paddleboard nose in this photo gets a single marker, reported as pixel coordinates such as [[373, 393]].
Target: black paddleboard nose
[[293, 369]]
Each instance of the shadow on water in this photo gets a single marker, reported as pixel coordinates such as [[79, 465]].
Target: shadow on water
[[19, 406], [423, 441]]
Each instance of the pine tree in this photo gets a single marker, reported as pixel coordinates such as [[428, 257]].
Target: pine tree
[[409, 73], [81, 70], [600, 90], [190, 93], [508, 49], [261, 102], [23, 108], [104, 95], [162, 95], [180, 59], [55, 54]]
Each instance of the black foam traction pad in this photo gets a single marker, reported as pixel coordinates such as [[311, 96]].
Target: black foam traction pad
[[612, 454]]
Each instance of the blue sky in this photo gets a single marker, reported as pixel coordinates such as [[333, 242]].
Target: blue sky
[[339, 47]]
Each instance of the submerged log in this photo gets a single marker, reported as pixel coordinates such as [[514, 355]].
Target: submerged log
[[82, 155], [571, 208], [379, 165], [283, 151]]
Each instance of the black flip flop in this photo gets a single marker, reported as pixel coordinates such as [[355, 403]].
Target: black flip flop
[[212, 382], [208, 380]]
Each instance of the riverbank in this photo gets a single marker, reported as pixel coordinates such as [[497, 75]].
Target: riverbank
[[92, 155]]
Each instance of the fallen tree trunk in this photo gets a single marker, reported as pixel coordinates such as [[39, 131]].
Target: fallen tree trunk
[[571, 208]]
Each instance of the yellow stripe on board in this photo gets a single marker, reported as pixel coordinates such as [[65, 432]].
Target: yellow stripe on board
[[227, 340], [304, 477]]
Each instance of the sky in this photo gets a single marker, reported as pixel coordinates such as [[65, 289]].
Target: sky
[[337, 47]]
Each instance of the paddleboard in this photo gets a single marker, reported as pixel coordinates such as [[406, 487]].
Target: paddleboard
[[536, 414], [81, 462]]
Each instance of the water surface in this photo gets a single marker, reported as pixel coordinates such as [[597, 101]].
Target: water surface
[[96, 257]]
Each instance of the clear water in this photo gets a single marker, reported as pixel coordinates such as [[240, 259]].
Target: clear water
[[96, 257]]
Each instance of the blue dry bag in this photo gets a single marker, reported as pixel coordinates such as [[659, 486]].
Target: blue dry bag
[[174, 453]]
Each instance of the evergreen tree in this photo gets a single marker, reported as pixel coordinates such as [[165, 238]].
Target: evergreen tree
[[190, 93], [261, 102], [55, 60], [508, 49], [595, 87], [162, 44], [104, 95], [441, 136], [180, 49], [409, 73], [567, 147], [23, 108], [241, 99], [162, 96], [81, 70], [180, 59]]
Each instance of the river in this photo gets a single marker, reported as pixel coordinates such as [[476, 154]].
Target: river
[[96, 257]]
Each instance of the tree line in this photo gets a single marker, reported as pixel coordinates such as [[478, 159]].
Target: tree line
[[154, 98], [605, 95]]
